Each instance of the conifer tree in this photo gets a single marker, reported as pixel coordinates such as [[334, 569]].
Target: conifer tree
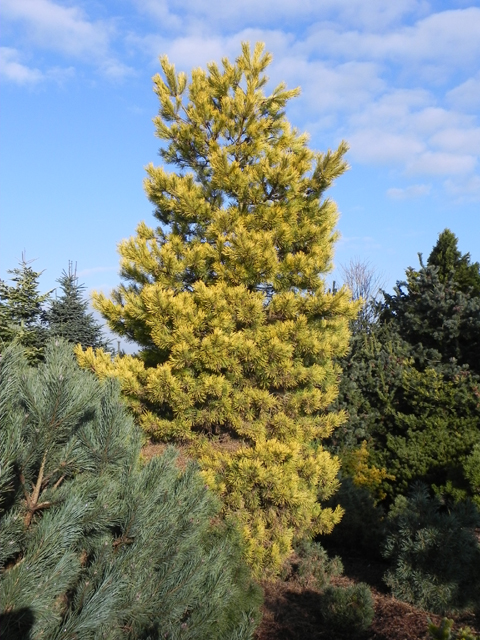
[[453, 265], [95, 543], [227, 300], [22, 314], [68, 315], [411, 385], [435, 315]]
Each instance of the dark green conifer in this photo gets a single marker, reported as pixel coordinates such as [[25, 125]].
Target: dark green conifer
[[22, 315], [434, 553], [420, 418], [434, 315], [68, 315], [96, 544], [451, 263], [411, 385]]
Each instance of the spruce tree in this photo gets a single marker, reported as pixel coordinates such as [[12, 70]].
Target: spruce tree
[[22, 313], [451, 264], [226, 298], [68, 315], [435, 316], [95, 543]]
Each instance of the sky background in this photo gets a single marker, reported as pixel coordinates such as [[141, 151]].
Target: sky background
[[399, 81]]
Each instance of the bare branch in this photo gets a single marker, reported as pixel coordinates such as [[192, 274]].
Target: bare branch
[[362, 279]]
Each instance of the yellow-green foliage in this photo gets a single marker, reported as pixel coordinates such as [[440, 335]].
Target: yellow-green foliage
[[355, 463], [227, 301]]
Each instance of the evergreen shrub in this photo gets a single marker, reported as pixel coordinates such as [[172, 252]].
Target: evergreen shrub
[[348, 608], [471, 468], [314, 565], [411, 384], [434, 553], [95, 543]]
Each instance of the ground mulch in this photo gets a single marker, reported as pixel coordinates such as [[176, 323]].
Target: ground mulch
[[292, 611]]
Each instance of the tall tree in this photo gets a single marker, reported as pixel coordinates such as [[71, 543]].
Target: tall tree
[[451, 264], [68, 315], [22, 313], [95, 543], [227, 299]]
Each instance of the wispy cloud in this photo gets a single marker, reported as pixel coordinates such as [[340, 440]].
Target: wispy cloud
[[65, 30], [444, 39], [441, 164], [13, 70], [413, 191], [216, 14], [466, 95], [60, 28], [464, 190]]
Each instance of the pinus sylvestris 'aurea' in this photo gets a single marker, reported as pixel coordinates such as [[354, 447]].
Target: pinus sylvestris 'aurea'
[[96, 544], [226, 299]]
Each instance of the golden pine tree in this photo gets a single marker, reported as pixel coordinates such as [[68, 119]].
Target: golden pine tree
[[226, 297]]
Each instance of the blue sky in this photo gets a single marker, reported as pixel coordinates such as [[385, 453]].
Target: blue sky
[[400, 81]]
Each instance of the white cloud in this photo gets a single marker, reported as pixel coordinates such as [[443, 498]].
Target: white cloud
[[13, 70], [328, 88], [214, 14], [433, 119], [446, 39], [413, 191], [466, 95], [60, 28], [66, 30], [440, 163], [115, 70], [405, 128], [159, 10], [190, 51], [463, 141], [369, 72], [375, 15], [392, 110], [464, 190], [380, 146]]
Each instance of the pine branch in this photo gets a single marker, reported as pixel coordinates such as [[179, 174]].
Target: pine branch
[[33, 499]]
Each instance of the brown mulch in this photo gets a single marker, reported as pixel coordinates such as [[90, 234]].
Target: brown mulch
[[292, 612], [151, 450]]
